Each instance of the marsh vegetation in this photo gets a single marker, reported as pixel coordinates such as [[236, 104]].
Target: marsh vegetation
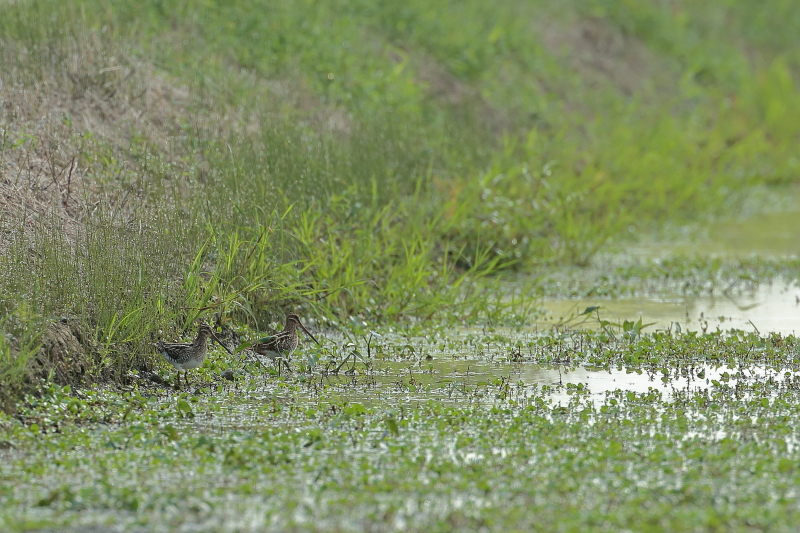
[[412, 179]]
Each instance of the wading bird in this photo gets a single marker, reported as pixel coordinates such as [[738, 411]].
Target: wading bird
[[281, 345], [185, 356]]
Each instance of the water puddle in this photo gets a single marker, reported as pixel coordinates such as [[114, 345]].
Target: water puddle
[[390, 384], [767, 236], [597, 383], [768, 228], [479, 380], [768, 309]]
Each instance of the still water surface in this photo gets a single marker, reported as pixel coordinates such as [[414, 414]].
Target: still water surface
[[770, 308], [764, 235]]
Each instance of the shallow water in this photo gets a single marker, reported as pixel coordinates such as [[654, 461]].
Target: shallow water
[[756, 233], [460, 380], [768, 309], [218, 468], [476, 369], [768, 236], [600, 382], [769, 228]]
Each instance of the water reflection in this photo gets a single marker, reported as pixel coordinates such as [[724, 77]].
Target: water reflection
[[598, 383], [482, 381], [768, 309], [772, 234]]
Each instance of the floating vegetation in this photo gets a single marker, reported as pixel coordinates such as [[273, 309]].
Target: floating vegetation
[[432, 432]]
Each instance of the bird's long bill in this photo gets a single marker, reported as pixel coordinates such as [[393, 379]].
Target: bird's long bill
[[214, 336], [307, 332]]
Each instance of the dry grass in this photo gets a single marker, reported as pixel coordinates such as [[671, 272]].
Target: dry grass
[[65, 128]]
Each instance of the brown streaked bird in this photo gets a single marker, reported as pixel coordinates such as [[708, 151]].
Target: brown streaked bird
[[279, 347], [185, 356]]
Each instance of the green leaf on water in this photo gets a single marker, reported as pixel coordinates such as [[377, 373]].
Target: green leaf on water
[[184, 409], [354, 409], [591, 309], [357, 355], [314, 436], [614, 447], [391, 426], [785, 465], [243, 346], [170, 432]]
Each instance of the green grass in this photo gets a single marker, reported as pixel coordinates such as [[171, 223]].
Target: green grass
[[358, 159]]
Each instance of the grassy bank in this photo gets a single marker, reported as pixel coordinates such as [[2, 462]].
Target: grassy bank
[[164, 161]]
